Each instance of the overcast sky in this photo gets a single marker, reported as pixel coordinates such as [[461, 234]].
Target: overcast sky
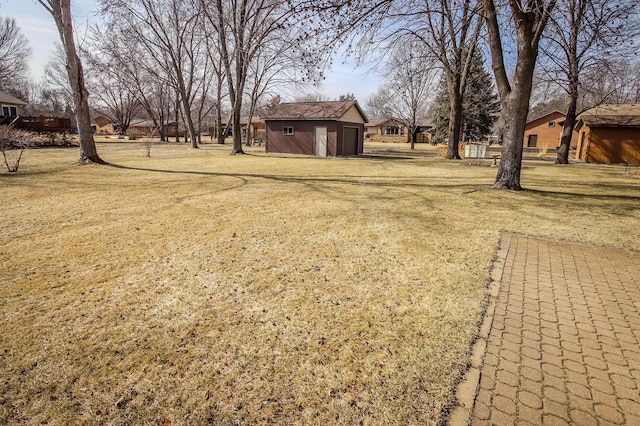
[[37, 25]]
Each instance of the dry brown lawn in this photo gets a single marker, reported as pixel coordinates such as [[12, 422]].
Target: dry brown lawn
[[198, 287]]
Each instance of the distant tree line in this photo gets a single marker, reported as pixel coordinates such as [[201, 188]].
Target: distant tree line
[[201, 62]]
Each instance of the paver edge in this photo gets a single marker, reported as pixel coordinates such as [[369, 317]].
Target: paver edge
[[467, 389]]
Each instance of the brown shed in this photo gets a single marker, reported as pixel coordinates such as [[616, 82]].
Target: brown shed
[[609, 134], [323, 129], [544, 132]]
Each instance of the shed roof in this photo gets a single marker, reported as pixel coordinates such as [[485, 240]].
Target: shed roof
[[328, 110], [6, 98], [611, 115]]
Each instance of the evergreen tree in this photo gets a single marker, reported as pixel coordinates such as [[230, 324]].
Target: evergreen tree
[[480, 105], [347, 97], [440, 115]]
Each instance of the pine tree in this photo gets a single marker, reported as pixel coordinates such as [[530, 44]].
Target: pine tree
[[480, 106]]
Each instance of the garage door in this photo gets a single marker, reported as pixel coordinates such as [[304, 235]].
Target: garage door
[[350, 141]]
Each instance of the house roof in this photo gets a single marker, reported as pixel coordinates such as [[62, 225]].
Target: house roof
[[611, 115], [385, 121], [6, 98], [378, 122], [328, 110], [102, 121], [141, 123], [546, 115], [244, 120]]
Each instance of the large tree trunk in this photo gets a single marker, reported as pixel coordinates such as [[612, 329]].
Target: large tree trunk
[[570, 120], [515, 106], [567, 132], [61, 12], [514, 99], [237, 133], [177, 126], [191, 130], [455, 120], [219, 130]]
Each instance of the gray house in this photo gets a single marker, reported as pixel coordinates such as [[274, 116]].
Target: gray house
[[10, 106]]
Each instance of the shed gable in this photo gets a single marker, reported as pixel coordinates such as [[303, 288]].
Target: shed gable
[[353, 115]]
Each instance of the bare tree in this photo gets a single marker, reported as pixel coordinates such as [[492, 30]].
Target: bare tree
[[56, 78], [60, 10], [168, 30], [618, 82], [12, 139], [529, 19], [584, 35], [411, 76], [378, 104], [14, 53], [448, 30], [243, 29], [116, 96], [274, 66], [453, 29], [138, 70], [219, 82]]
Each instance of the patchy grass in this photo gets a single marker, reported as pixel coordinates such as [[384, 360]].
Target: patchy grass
[[197, 287]]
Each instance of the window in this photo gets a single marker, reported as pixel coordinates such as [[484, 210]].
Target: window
[[287, 130], [9, 111], [393, 130], [552, 124]]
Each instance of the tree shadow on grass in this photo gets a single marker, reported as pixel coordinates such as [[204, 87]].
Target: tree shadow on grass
[[601, 196], [407, 186]]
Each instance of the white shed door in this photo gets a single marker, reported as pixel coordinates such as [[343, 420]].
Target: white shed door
[[320, 149]]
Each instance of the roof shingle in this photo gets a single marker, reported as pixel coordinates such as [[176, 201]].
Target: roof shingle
[[330, 110], [8, 99], [612, 115]]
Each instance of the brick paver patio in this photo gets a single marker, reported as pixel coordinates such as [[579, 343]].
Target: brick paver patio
[[561, 341]]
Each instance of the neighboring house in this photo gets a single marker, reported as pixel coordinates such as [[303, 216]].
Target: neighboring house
[[41, 123], [148, 128], [103, 126], [10, 107], [255, 127], [544, 132], [396, 130], [423, 131], [387, 130], [323, 129], [139, 127], [609, 134]]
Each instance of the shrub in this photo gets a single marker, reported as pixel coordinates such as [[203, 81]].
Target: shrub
[[12, 140]]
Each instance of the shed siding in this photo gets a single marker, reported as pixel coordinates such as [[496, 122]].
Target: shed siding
[[611, 146], [352, 116], [302, 140]]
